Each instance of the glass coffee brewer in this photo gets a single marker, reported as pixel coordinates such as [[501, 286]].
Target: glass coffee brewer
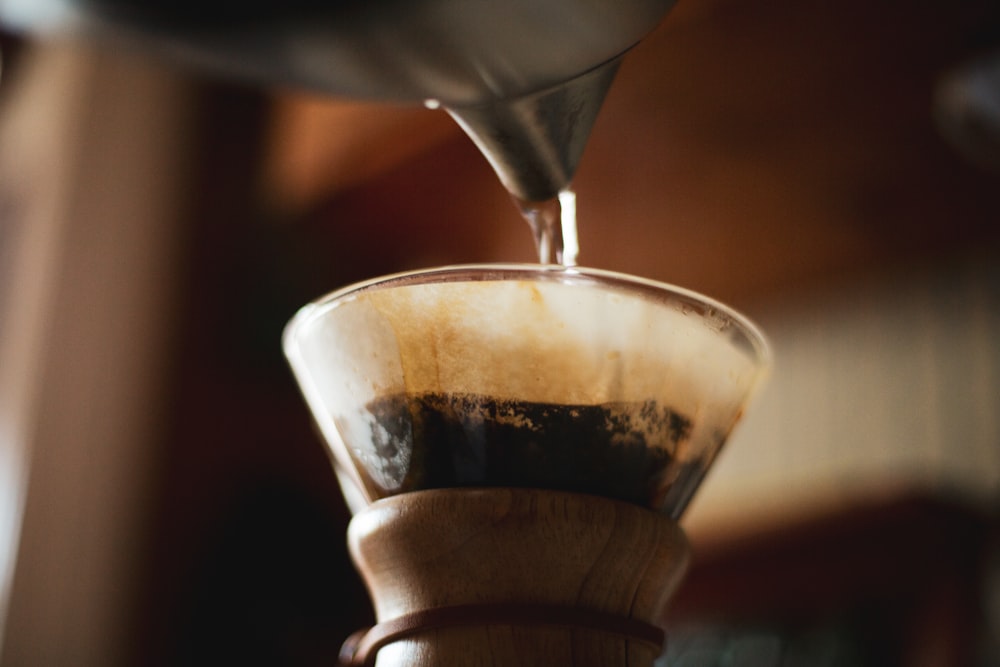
[[516, 443]]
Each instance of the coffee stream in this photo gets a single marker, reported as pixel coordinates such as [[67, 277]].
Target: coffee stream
[[553, 224]]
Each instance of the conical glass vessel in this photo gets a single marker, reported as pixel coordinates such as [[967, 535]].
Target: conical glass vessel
[[525, 376]]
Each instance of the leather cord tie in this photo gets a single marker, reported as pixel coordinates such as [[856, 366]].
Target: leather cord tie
[[361, 647]]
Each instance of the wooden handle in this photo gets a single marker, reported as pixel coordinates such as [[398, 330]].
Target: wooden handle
[[478, 550]]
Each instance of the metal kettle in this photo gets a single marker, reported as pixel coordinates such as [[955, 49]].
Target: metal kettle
[[525, 78]]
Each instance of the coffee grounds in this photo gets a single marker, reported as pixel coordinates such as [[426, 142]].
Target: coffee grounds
[[617, 450]]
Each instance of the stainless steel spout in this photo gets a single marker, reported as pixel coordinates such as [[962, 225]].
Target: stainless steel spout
[[535, 142]]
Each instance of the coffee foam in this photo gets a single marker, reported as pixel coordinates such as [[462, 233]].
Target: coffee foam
[[535, 341]]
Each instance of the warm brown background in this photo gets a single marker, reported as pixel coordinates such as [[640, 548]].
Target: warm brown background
[[752, 151], [744, 148]]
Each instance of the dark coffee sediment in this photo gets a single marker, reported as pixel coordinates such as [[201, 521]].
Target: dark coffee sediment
[[621, 450]]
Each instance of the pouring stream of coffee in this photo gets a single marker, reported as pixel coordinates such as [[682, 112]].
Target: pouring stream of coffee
[[524, 78]]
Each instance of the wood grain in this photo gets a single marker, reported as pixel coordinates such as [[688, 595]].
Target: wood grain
[[441, 548]]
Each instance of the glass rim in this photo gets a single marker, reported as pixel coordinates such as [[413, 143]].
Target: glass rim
[[752, 337]]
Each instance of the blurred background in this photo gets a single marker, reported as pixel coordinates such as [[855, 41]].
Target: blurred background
[[165, 501]]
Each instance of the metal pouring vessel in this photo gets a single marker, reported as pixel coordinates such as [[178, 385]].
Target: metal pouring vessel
[[459, 52], [516, 74]]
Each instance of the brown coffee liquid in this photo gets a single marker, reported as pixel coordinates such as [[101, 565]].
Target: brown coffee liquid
[[617, 450]]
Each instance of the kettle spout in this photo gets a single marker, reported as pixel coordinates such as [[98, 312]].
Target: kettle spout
[[534, 142]]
